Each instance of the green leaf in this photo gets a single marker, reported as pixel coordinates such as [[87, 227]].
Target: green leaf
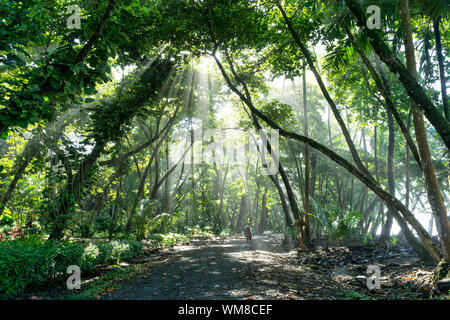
[[5, 135]]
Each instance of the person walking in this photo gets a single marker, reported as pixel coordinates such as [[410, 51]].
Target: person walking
[[248, 233]]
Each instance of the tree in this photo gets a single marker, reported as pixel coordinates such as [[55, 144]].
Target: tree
[[432, 185], [414, 89]]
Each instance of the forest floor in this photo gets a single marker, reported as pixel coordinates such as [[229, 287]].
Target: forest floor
[[230, 269]]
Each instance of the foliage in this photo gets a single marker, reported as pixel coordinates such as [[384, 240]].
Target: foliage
[[169, 239], [354, 295], [197, 232], [6, 218], [107, 282], [337, 223], [24, 264], [368, 239]]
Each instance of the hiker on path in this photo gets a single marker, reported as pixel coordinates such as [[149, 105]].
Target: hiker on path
[[248, 233]]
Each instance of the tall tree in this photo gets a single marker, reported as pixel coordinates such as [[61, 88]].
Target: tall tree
[[431, 182], [307, 162]]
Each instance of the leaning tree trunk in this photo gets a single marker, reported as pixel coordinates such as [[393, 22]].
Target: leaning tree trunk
[[431, 183], [366, 191], [383, 88], [299, 172], [276, 182], [284, 205], [32, 149], [290, 194]]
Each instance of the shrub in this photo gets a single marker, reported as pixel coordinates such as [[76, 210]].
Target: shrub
[[27, 264], [198, 232], [102, 223], [6, 218], [170, 238], [225, 233], [86, 231]]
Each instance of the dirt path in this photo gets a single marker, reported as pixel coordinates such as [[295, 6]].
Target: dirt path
[[226, 269]]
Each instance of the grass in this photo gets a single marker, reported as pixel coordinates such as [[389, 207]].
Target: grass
[[108, 282], [354, 295]]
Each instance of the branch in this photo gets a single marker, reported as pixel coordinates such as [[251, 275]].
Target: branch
[[144, 145], [85, 50]]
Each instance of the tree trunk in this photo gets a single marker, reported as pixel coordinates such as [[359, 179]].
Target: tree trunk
[[366, 191], [32, 149], [242, 211], [386, 230], [221, 184], [299, 172], [307, 164], [431, 183], [263, 221], [72, 188], [437, 36], [256, 202], [166, 202], [116, 204], [407, 165], [407, 171]]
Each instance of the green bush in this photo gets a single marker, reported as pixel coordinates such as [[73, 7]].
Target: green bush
[[199, 232], [102, 223], [86, 231], [6, 218], [225, 233], [25, 264], [170, 238]]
